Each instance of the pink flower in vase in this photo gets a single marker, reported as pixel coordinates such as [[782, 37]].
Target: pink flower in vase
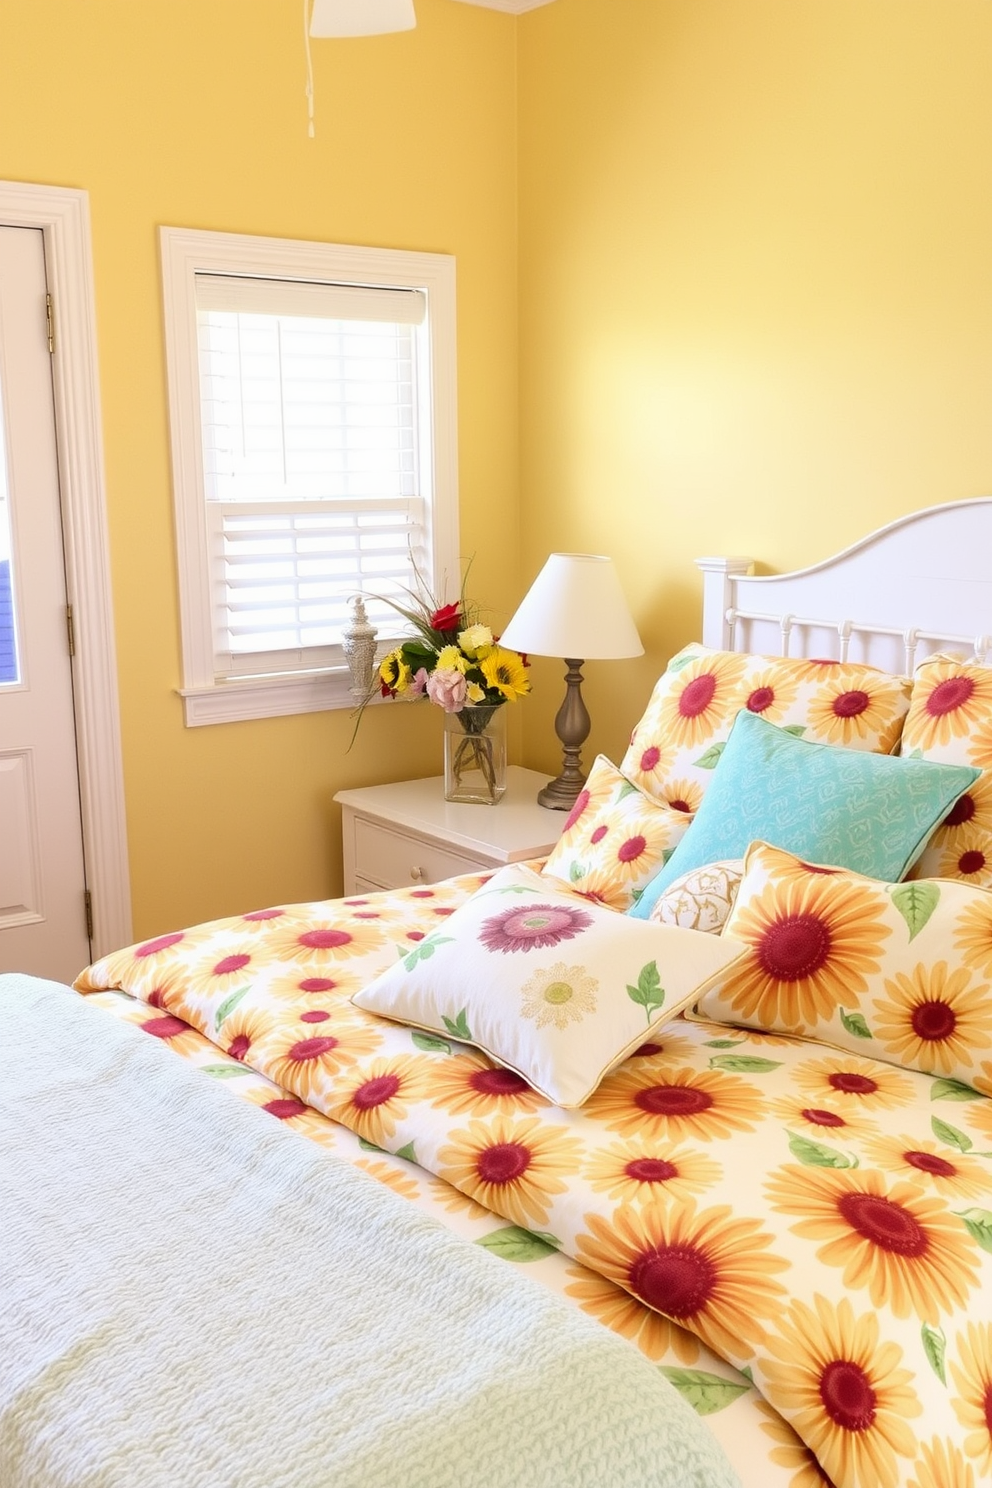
[[417, 685], [448, 689]]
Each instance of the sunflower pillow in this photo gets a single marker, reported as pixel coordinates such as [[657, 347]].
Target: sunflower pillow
[[950, 719], [678, 741], [900, 972], [547, 983], [615, 839]]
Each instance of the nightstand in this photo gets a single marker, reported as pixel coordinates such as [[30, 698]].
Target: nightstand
[[403, 834]]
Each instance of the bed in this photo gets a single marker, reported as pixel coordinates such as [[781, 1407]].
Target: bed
[[740, 1111]]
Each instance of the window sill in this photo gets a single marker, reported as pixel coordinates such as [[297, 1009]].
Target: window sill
[[242, 698]]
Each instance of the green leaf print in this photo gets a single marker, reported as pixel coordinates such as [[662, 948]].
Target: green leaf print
[[368, 1146], [954, 1090], [978, 1223], [407, 1152], [710, 758], [916, 902], [626, 790], [430, 1043], [795, 729], [744, 1064], [935, 1347], [855, 1025], [649, 993], [226, 1071], [681, 660], [706, 1393], [815, 1155], [950, 1134], [458, 1028], [724, 1043], [425, 950], [230, 1003], [576, 871], [516, 1244]]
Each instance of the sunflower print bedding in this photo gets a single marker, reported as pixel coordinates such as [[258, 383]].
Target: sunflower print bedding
[[815, 1218]]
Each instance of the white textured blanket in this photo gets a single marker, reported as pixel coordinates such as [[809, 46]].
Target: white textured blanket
[[192, 1296]]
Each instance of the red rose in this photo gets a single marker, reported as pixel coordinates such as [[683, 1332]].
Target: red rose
[[448, 617]]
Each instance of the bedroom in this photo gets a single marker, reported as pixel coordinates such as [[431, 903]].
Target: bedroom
[[776, 219]]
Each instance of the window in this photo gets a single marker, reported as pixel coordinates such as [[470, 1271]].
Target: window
[[312, 400]]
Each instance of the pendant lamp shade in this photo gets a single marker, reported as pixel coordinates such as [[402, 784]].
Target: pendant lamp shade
[[361, 17]]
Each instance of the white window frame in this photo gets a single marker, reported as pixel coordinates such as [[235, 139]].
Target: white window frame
[[185, 252]]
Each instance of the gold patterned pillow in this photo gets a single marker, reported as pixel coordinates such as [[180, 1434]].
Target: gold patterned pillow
[[678, 741], [899, 972], [950, 719], [615, 839], [702, 898]]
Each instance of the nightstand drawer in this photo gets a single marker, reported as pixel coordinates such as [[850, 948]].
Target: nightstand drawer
[[396, 861]]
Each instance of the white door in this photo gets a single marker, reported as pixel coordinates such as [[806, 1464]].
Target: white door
[[43, 926]]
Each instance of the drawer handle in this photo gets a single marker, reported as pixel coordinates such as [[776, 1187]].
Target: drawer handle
[[417, 874]]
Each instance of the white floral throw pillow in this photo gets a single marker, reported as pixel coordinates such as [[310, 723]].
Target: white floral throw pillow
[[556, 988]]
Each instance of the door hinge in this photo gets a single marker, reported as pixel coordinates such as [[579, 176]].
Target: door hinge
[[50, 318], [70, 630], [88, 902]]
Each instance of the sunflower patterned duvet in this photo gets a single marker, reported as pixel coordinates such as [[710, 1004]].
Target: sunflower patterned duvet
[[765, 1215]]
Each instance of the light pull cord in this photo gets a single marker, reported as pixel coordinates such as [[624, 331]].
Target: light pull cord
[[306, 43]]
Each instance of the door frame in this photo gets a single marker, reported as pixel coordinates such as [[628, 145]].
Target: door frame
[[62, 214]]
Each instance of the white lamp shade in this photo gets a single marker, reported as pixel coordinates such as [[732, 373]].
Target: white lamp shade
[[361, 17], [576, 609]]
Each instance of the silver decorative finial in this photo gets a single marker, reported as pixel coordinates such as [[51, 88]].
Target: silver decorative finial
[[358, 644]]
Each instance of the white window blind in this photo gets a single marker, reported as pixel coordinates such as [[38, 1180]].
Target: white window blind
[[311, 430]]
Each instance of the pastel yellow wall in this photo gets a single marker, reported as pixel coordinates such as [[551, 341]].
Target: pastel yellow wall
[[192, 113], [756, 290]]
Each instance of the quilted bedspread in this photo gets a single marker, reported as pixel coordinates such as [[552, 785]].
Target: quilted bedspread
[[820, 1220], [243, 1309]]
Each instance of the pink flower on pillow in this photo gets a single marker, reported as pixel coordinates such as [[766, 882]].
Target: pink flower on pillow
[[448, 689], [533, 926]]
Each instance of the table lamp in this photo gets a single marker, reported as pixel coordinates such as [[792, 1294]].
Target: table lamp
[[575, 609]]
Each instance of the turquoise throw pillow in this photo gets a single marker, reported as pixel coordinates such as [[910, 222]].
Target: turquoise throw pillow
[[872, 813]]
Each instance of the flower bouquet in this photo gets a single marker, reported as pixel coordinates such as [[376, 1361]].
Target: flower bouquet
[[456, 662]]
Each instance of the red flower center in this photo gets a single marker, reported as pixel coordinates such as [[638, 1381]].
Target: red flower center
[[581, 802], [933, 1021], [650, 758], [675, 1279], [311, 1048], [238, 1047], [987, 1402], [316, 984], [284, 1108], [599, 834], [229, 964], [697, 695], [794, 947], [816, 1117], [962, 811], [847, 1395], [673, 1100], [497, 1082], [850, 704], [929, 1162], [263, 914], [645, 1051], [324, 940], [971, 862], [632, 849], [680, 806], [504, 1162], [884, 1223], [375, 1092], [760, 699], [850, 1083], [162, 943], [165, 1028], [651, 1170], [318, 1015], [949, 695]]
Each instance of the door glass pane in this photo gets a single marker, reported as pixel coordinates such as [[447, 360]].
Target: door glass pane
[[9, 671]]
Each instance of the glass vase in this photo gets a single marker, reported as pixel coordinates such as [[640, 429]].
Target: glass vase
[[475, 754]]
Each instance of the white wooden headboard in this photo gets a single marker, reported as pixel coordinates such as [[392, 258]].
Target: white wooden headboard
[[921, 584]]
